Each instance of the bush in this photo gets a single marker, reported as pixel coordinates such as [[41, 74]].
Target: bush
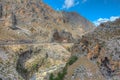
[[60, 75], [51, 77], [72, 60], [35, 67]]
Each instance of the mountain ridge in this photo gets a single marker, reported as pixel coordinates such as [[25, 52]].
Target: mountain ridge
[[42, 44], [30, 17]]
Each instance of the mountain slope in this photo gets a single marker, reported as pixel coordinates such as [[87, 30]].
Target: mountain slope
[[32, 19], [28, 30], [101, 47]]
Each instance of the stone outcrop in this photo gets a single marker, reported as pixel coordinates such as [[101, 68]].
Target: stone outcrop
[[1, 10], [24, 62], [62, 36], [13, 21], [102, 49]]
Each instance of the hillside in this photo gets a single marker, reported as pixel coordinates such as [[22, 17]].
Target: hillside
[[102, 48], [35, 40], [38, 43], [34, 20]]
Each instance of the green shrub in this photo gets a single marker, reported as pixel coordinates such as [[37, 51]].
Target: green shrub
[[72, 60], [61, 75], [35, 67], [51, 77]]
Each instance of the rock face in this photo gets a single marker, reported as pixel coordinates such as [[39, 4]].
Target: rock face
[[1, 10], [62, 36], [13, 21], [32, 36], [36, 41], [84, 69], [102, 48], [24, 62], [35, 20]]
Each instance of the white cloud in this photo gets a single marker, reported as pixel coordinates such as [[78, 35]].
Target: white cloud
[[101, 20], [70, 3], [113, 18]]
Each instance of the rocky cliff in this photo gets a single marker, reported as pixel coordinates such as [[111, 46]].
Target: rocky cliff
[[28, 32], [38, 43], [34, 20], [102, 48]]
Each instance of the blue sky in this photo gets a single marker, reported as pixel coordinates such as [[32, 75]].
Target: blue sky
[[96, 11]]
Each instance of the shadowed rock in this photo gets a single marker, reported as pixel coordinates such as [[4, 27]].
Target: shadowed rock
[[1, 10], [14, 21]]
